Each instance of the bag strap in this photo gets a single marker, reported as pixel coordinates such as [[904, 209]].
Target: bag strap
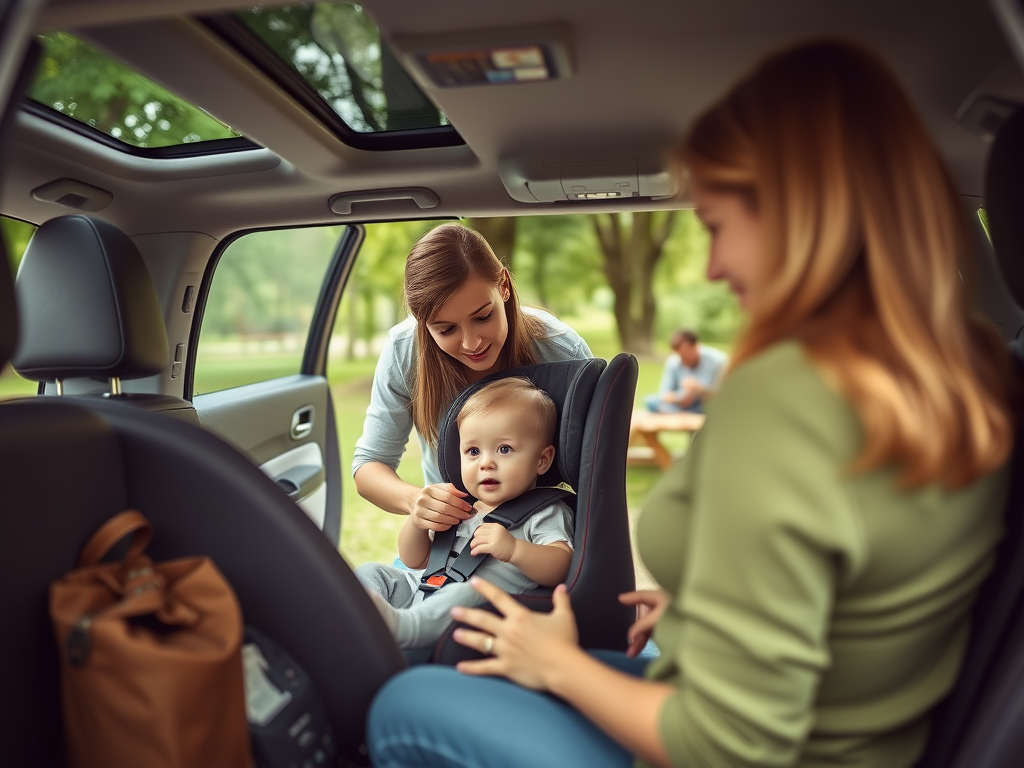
[[512, 514], [111, 532]]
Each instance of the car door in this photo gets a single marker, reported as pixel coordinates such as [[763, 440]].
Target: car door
[[257, 372]]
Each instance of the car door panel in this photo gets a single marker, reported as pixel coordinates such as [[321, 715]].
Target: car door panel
[[282, 426]]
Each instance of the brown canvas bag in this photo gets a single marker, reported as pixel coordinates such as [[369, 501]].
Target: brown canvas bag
[[151, 666]]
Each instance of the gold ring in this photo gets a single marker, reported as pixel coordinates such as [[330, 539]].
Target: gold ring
[[488, 644]]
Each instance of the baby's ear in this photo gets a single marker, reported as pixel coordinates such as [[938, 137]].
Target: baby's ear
[[547, 456]]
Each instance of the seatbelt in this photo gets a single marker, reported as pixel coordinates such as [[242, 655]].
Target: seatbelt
[[511, 514]]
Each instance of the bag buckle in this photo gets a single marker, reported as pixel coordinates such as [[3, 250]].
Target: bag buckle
[[77, 645]]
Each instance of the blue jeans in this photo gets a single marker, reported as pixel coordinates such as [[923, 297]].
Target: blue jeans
[[656, 405], [436, 717]]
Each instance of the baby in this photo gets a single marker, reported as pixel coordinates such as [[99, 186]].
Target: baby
[[506, 436]]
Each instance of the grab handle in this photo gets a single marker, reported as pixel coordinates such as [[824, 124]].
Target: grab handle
[[342, 203]]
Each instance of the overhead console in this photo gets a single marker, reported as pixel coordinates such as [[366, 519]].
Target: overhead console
[[540, 181]]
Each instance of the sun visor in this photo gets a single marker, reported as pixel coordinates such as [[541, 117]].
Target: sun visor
[[551, 181]]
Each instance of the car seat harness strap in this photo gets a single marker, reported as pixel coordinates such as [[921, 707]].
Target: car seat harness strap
[[442, 570]]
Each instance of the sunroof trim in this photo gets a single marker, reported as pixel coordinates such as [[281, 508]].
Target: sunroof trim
[[248, 44], [195, 149]]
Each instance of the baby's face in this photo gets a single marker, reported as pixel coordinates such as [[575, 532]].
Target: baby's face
[[502, 454]]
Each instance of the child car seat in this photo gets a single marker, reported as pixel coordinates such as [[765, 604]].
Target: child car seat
[[594, 400]]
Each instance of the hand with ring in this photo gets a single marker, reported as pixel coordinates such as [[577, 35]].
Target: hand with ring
[[533, 645]]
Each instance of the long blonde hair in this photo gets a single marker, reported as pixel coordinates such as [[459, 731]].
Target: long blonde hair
[[438, 266], [862, 241]]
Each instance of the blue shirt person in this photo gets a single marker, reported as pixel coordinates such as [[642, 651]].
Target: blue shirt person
[[691, 373]]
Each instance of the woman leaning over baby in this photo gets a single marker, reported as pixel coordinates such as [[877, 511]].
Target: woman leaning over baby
[[822, 542]]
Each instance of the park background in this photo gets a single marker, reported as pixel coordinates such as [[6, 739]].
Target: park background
[[624, 281]]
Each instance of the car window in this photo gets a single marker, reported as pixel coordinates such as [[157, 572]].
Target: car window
[[567, 265], [16, 235], [260, 306], [79, 82], [337, 49]]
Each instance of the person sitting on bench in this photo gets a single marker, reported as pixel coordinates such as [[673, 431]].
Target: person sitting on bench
[[691, 373], [506, 440]]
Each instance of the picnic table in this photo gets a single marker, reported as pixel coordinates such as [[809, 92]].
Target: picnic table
[[645, 428]]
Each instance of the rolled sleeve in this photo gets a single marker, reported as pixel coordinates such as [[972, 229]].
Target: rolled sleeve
[[550, 525]]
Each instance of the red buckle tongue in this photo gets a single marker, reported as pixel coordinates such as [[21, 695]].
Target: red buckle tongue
[[437, 580]]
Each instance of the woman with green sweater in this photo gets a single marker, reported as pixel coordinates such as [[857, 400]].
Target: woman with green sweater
[[822, 542]]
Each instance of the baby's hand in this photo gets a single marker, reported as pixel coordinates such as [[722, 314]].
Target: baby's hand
[[493, 539]]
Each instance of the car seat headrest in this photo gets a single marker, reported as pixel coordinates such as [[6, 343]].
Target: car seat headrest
[[569, 383], [1004, 201], [8, 311], [87, 305]]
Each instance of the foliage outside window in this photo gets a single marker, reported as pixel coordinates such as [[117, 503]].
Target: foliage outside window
[[76, 80], [337, 49], [16, 235], [260, 306]]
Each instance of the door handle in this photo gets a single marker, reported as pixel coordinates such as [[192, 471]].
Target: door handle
[[302, 422], [299, 482]]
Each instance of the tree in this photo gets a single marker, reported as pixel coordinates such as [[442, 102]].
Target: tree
[[632, 245], [558, 257], [500, 233], [337, 49], [80, 82]]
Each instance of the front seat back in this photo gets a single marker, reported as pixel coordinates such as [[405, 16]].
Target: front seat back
[[594, 402], [981, 723], [89, 311], [69, 464]]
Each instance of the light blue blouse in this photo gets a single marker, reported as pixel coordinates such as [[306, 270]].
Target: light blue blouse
[[388, 421]]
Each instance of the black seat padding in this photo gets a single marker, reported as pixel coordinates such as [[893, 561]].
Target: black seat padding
[[981, 723], [89, 309], [70, 464], [594, 400], [87, 303]]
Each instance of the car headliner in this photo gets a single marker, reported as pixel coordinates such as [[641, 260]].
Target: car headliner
[[643, 69]]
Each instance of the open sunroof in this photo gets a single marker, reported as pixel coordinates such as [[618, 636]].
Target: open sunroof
[[330, 57], [112, 101]]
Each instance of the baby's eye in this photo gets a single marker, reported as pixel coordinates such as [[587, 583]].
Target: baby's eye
[[504, 450], [472, 451]]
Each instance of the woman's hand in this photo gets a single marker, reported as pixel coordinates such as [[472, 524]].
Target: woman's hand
[[525, 646], [494, 540], [650, 604], [438, 507]]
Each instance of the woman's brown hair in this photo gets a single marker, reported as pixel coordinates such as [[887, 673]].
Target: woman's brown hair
[[863, 244], [438, 266]]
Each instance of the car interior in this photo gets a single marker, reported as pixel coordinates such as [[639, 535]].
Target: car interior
[[443, 111]]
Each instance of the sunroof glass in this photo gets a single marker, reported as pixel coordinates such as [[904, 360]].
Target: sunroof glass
[[76, 80], [337, 49]]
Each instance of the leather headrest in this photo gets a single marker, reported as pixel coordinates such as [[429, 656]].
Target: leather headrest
[[8, 312], [1004, 201], [87, 305], [570, 384]]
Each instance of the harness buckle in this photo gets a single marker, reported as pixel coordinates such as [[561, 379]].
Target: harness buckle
[[433, 583]]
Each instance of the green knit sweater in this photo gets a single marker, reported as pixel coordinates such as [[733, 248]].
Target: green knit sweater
[[816, 615]]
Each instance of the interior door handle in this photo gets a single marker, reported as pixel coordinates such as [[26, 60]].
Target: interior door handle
[[302, 422], [424, 198], [299, 482]]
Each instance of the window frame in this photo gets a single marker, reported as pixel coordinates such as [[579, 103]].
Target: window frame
[[193, 149], [321, 325]]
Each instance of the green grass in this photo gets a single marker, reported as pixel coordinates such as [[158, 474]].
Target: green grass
[[12, 385]]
